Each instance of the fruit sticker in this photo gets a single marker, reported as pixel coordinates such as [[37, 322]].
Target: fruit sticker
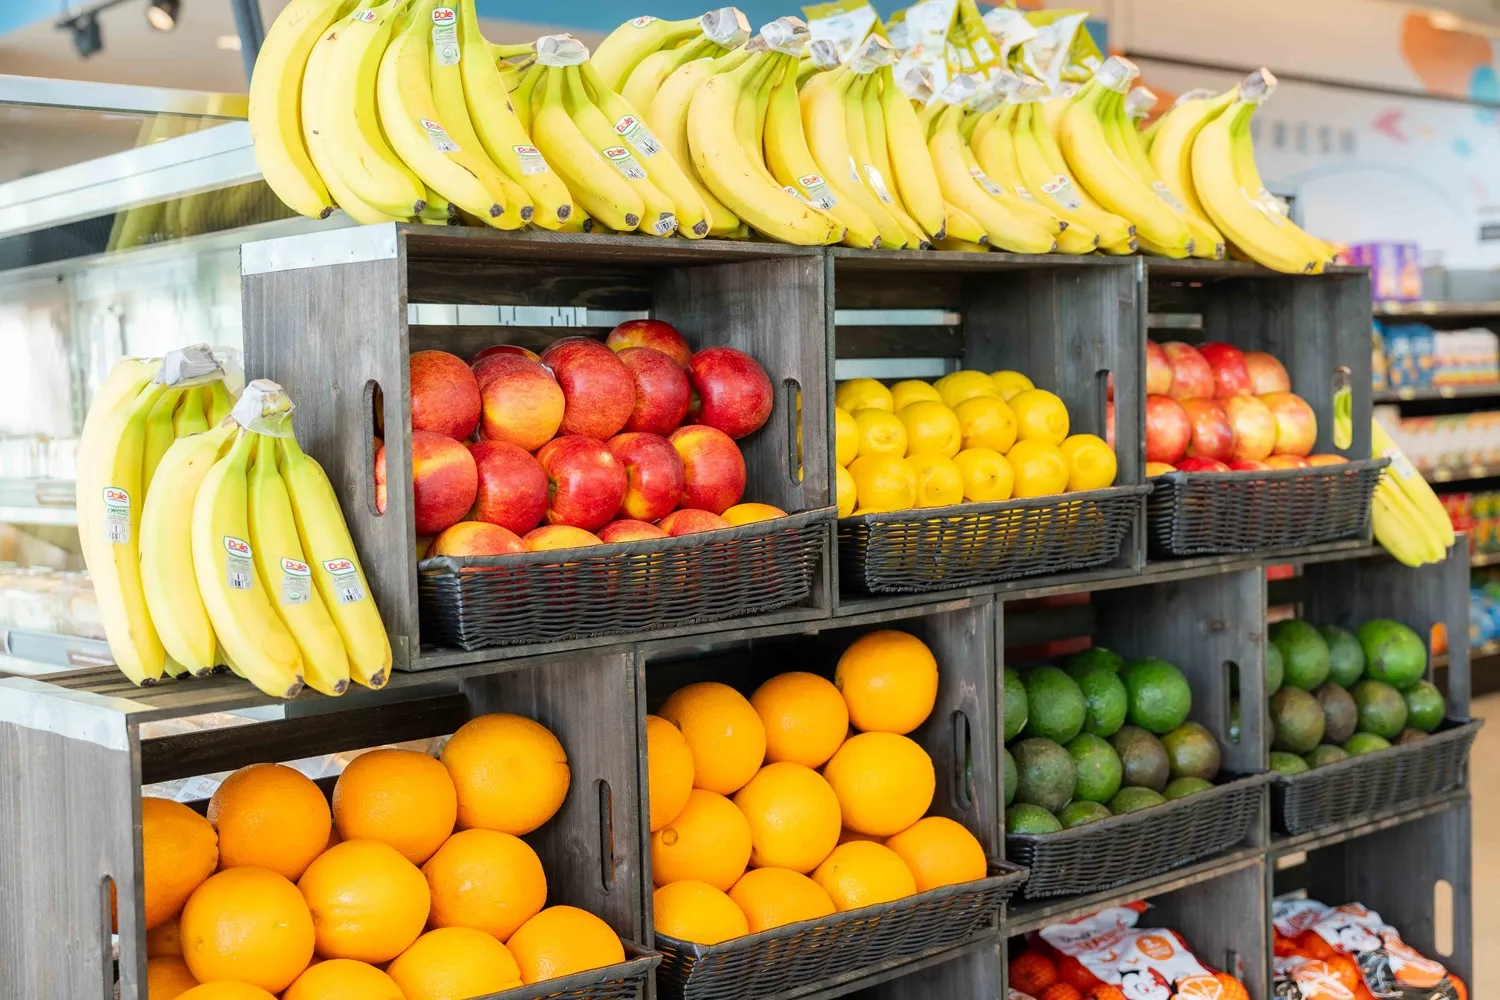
[[296, 581], [439, 136], [983, 180], [1061, 189], [877, 182], [116, 515], [634, 131], [640, 22], [364, 15], [665, 226], [625, 163], [445, 50], [532, 162], [818, 191], [239, 564], [346, 583]]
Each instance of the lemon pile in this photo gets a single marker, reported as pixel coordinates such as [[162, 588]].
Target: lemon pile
[[969, 436]]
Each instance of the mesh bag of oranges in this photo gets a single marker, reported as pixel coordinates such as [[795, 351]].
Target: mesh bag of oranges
[[1349, 953]]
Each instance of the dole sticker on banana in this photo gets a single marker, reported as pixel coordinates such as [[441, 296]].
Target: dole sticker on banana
[[116, 515], [345, 580], [634, 131], [296, 581], [445, 49], [819, 194], [239, 563], [532, 161], [441, 141]]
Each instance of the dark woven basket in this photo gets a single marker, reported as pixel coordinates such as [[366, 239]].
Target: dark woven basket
[[1137, 845], [1203, 513], [484, 602], [965, 545], [813, 955], [626, 981], [1373, 783]]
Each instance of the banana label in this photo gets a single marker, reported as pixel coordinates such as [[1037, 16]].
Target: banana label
[[624, 162], [665, 226], [1061, 190], [640, 22], [439, 136], [1165, 194], [853, 170], [296, 581], [1024, 194], [818, 191], [239, 563], [445, 50], [1400, 464], [116, 515], [878, 183], [364, 15], [531, 159], [983, 180], [634, 131], [346, 585]]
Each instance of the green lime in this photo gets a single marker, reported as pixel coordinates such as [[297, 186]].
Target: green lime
[[1054, 703], [1346, 657], [1365, 743], [1393, 653], [1015, 704], [1424, 706], [1046, 774], [1026, 818], [1179, 788], [1160, 698], [1096, 656], [1303, 652], [1079, 813], [1382, 710], [1287, 763], [1098, 767], [1010, 777], [1193, 751], [1104, 699], [1324, 754], [1129, 800]]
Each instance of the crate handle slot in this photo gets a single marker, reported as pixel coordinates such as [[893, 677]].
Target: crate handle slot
[[1342, 381], [1231, 683], [606, 837], [1101, 402], [372, 394], [963, 764], [1233, 964], [791, 390], [106, 948]]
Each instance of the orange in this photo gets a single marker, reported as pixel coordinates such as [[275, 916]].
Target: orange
[[860, 393], [930, 427], [986, 422], [1091, 462], [1039, 468], [727, 738], [864, 874], [367, 901], [774, 897], [939, 480], [1040, 416], [1106, 991], [1189, 988], [846, 835], [164, 940], [889, 680], [939, 852], [225, 991], [793, 816], [180, 849], [486, 880], [247, 924], [168, 978], [884, 782], [697, 912], [709, 841], [846, 494], [454, 962], [562, 940], [270, 816], [1061, 991], [343, 979], [1233, 988], [883, 483], [750, 513], [912, 390], [987, 475], [881, 432], [399, 797], [669, 770], [1076, 974], [1032, 973], [805, 718], [1010, 383], [955, 387], [845, 435], [511, 773]]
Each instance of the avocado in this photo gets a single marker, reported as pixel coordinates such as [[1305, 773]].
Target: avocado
[[1046, 775], [1365, 743], [1096, 656], [1099, 769], [1025, 818], [1010, 777], [1129, 800], [1160, 698], [1104, 699], [1382, 710], [1340, 714], [1424, 706], [1303, 652], [1325, 753], [1079, 813], [1410, 735], [1275, 669], [1192, 751], [1054, 704], [1298, 718], [1393, 653], [1015, 704], [1346, 657], [1287, 763], [1179, 788], [1143, 760]]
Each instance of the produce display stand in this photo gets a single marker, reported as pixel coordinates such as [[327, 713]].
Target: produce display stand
[[327, 315]]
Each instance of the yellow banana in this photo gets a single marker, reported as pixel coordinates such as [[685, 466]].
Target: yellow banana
[[962, 246], [627, 45], [911, 164], [523, 96], [1208, 243], [659, 216], [159, 436], [961, 226], [119, 388], [872, 176], [1171, 146], [1047, 177], [1404, 475], [217, 402], [668, 119], [596, 186], [963, 183], [641, 87], [189, 417], [823, 124], [993, 151]]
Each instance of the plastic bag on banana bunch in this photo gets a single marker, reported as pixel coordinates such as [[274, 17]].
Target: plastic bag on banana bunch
[[842, 23], [945, 37], [1010, 29], [1063, 49]]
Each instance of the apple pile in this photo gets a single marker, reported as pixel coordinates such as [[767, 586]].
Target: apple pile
[[1215, 408], [585, 443]]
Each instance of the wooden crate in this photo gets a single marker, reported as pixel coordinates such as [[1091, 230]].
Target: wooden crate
[[75, 760], [327, 316]]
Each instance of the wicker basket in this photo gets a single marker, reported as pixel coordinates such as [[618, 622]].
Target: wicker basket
[[1204, 513], [1373, 783], [1137, 845], [813, 955], [490, 601], [965, 545]]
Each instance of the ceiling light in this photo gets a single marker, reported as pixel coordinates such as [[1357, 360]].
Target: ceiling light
[[163, 14], [87, 38], [228, 43], [1444, 20]]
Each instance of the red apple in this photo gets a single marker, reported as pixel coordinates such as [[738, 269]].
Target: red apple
[[1231, 377], [1168, 430], [1296, 424], [1158, 469], [1267, 374], [1201, 465], [1248, 465], [1254, 427], [1286, 462], [475, 538], [627, 530], [1109, 423], [1191, 376], [713, 467], [512, 486], [586, 483], [653, 473], [1109, 387], [690, 522], [380, 490], [598, 387], [652, 333], [662, 392], [523, 404], [444, 480], [529, 355], [1213, 437], [444, 394], [731, 391], [1158, 370], [558, 536], [1327, 460]]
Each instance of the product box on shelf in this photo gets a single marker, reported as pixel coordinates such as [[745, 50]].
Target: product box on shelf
[[1395, 269]]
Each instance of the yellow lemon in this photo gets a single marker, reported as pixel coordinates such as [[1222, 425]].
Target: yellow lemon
[[863, 393], [955, 387], [986, 422], [930, 427], [1039, 467], [883, 482], [911, 391], [1091, 462], [845, 492], [939, 483], [986, 473], [1011, 383], [881, 432], [846, 436], [1040, 416]]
